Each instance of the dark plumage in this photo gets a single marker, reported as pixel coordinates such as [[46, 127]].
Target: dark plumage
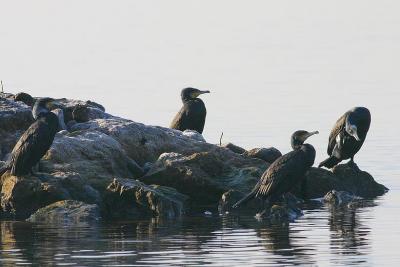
[[35, 141], [192, 115], [347, 136], [285, 172]]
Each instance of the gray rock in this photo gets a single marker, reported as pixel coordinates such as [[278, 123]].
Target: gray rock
[[15, 118], [268, 154], [60, 114], [91, 154], [234, 148], [204, 176], [128, 198], [194, 135], [66, 212]]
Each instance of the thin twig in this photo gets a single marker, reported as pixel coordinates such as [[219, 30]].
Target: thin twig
[[2, 87], [220, 139]]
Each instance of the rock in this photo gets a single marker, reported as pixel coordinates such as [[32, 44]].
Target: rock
[[80, 113], [15, 118], [267, 154], [194, 135], [25, 98], [21, 196], [340, 198], [145, 143], [360, 183], [234, 148], [128, 198], [203, 176], [343, 178], [60, 114], [91, 154], [67, 211], [83, 113]]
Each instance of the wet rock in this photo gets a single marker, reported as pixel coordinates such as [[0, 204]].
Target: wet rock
[[66, 212], [203, 176], [21, 196], [267, 154], [25, 98], [359, 183], [128, 198], [234, 148], [340, 198], [194, 135], [343, 178]]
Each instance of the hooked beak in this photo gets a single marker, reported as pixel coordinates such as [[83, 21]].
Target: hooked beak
[[196, 94], [306, 136], [355, 135]]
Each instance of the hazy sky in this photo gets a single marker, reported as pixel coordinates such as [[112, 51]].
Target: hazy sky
[[272, 66]]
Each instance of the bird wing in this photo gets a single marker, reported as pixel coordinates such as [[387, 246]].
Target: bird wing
[[31, 147], [180, 118], [336, 130], [281, 174], [191, 116]]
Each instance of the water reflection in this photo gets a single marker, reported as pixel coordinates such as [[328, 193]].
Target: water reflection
[[227, 240], [349, 236]]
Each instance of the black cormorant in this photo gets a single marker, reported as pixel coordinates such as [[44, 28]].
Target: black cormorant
[[347, 136], [286, 172], [192, 115], [35, 142]]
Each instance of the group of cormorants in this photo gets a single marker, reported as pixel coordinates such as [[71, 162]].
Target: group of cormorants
[[285, 173]]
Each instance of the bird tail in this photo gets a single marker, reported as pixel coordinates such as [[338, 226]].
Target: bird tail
[[244, 200], [329, 162]]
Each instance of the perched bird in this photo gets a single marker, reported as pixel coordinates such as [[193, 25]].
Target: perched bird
[[347, 137], [285, 172], [192, 115], [35, 141]]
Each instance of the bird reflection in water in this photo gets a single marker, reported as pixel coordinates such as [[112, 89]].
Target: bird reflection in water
[[349, 236]]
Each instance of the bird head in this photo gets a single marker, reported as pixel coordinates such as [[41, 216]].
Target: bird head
[[299, 137], [44, 105], [351, 127], [191, 93]]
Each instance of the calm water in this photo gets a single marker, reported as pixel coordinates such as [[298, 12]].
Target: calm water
[[272, 67]]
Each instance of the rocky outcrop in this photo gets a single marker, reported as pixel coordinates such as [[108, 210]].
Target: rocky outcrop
[[67, 212], [131, 170]]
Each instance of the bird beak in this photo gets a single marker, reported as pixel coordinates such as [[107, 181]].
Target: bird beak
[[355, 135], [306, 136], [196, 94]]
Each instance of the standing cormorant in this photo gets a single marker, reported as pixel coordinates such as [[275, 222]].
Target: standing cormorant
[[192, 115], [35, 142], [347, 137], [285, 172]]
